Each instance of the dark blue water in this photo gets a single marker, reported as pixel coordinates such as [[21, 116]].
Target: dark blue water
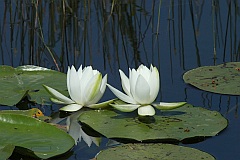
[[175, 36]]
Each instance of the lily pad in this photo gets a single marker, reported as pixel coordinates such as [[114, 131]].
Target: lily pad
[[223, 78], [153, 151], [175, 125], [33, 112], [44, 140], [6, 151], [27, 81]]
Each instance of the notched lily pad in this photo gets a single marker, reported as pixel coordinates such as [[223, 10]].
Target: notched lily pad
[[223, 78], [28, 80], [181, 124], [153, 151], [44, 140]]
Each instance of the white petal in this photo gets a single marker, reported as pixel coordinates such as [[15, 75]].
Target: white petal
[[80, 72], [142, 91], [88, 71], [125, 83], [146, 111], [104, 84], [101, 105], [125, 107], [133, 79], [71, 107], [68, 79], [86, 76], [140, 68], [169, 106], [95, 71], [154, 84], [130, 73], [57, 95], [54, 100], [100, 93], [74, 86], [144, 71], [121, 95], [151, 67], [92, 88]]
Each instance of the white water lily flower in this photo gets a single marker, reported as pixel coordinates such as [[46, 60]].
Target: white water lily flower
[[141, 90], [85, 87]]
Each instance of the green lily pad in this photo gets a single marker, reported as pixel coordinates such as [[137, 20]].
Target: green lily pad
[[44, 140], [153, 151], [33, 112], [175, 125], [28, 80], [223, 78], [6, 151]]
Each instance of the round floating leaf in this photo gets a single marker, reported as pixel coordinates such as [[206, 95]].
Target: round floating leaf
[[178, 125], [28, 80], [223, 78], [153, 151], [43, 139], [33, 112], [6, 151]]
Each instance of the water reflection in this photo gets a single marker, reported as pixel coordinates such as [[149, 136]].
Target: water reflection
[[74, 129], [173, 35], [121, 33]]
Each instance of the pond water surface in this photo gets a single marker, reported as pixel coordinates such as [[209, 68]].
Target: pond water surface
[[174, 35]]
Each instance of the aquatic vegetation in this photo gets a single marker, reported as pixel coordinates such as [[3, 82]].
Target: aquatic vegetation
[[85, 87], [141, 90]]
